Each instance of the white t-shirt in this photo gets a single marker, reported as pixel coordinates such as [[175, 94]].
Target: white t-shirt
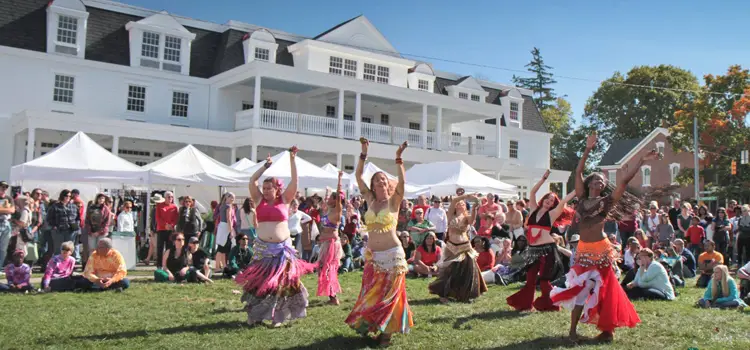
[[628, 259], [125, 222], [296, 220], [439, 218]]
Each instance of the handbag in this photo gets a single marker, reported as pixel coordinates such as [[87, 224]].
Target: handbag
[[25, 234], [32, 254]]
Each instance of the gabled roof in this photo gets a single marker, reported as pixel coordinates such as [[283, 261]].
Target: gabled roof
[[622, 150], [76, 5], [330, 34], [336, 27], [165, 21]]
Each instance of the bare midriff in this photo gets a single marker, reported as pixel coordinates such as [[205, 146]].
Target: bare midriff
[[592, 231], [545, 238], [457, 236], [381, 241], [328, 233], [273, 231]]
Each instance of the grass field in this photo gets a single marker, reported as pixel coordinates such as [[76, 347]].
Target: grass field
[[158, 316]]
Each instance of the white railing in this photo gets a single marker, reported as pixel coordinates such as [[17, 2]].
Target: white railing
[[316, 125], [376, 132], [402, 134], [243, 120], [484, 147], [349, 130], [455, 143], [431, 141]]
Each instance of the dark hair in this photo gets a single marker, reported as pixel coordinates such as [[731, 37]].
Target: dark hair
[[625, 206], [100, 195], [246, 205], [485, 242], [516, 248], [721, 211], [240, 236], [434, 242], [63, 195]]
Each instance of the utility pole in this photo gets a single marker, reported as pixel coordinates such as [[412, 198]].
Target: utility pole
[[696, 174]]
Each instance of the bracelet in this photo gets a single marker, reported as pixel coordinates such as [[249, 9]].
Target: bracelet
[[399, 160], [363, 156], [267, 165]]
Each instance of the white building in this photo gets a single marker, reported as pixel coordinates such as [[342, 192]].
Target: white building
[[144, 83]]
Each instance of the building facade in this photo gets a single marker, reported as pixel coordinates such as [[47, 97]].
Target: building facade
[[144, 83]]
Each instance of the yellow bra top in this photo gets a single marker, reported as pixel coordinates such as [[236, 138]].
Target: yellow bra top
[[384, 221]]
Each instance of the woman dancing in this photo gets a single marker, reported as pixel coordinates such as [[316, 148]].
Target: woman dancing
[[460, 278], [273, 290], [542, 257], [330, 247], [591, 287], [382, 305]]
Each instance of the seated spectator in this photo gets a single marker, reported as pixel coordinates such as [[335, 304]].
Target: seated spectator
[[239, 257], [706, 263], [408, 246], [573, 246], [743, 273], [643, 240], [315, 250], [18, 274], [651, 280], [58, 276], [503, 255], [199, 260], [419, 227], [630, 255], [722, 291], [688, 259], [486, 257], [346, 260], [351, 229], [612, 237], [566, 255], [427, 257], [675, 264], [105, 269]]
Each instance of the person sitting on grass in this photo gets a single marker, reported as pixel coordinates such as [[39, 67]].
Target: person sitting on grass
[[58, 276], [346, 246], [688, 259], [721, 291], [651, 280], [105, 269], [176, 264], [630, 255], [706, 263], [199, 260], [743, 273], [18, 274], [239, 257], [427, 256]]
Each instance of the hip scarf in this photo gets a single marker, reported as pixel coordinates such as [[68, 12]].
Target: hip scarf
[[329, 262], [553, 267], [460, 277], [382, 304]]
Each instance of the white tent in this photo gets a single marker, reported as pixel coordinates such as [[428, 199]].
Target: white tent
[[410, 189], [80, 159], [309, 175], [190, 166], [443, 178], [242, 164], [334, 170]]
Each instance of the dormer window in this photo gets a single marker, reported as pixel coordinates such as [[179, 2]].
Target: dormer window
[[260, 45], [66, 28], [463, 95], [261, 54], [424, 85], [475, 98], [421, 77], [514, 111], [160, 42], [151, 48]]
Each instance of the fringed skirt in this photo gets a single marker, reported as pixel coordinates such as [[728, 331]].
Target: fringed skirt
[[382, 305], [460, 277], [591, 282], [273, 290], [328, 268]]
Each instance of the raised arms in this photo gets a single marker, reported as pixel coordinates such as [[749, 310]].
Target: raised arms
[[590, 144], [291, 189], [630, 174], [555, 213], [398, 195], [255, 193], [532, 194], [361, 169], [338, 209]]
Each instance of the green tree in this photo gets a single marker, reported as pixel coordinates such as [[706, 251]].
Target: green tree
[[632, 105], [540, 82]]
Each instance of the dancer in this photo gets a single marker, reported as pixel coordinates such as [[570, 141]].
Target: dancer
[[382, 305], [273, 290], [330, 247], [460, 277], [591, 287], [542, 258]]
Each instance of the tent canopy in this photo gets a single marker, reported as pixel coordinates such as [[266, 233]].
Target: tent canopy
[[308, 174], [242, 164], [410, 189], [80, 159], [334, 170], [191, 166], [443, 178]]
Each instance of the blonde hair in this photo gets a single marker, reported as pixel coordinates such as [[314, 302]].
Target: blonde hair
[[67, 246], [724, 283], [686, 205]]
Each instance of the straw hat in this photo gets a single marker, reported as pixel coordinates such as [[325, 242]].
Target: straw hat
[[157, 198]]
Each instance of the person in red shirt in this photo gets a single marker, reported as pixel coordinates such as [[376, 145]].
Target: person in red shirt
[[166, 217], [427, 256], [730, 209], [486, 258], [421, 203], [696, 234]]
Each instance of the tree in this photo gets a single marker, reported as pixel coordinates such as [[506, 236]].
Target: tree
[[540, 82], [631, 106]]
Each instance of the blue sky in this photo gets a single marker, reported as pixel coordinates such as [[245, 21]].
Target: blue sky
[[584, 39]]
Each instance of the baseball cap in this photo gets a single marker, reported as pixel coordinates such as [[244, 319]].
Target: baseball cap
[[575, 238], [75, 191], [194, 240], [4, 184]]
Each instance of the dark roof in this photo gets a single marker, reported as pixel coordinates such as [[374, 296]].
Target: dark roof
[[23, 24], [335, 27], [617, 150]]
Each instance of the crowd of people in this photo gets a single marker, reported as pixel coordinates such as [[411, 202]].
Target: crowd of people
[[593, 251]]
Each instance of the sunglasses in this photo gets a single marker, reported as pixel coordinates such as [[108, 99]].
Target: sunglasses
[[179, 239], [244, 239]]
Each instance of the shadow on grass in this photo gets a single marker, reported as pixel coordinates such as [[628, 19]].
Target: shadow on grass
[[197, 328], [547, 343], [339, 342], [226, 310], [422, 302], [484, 316]]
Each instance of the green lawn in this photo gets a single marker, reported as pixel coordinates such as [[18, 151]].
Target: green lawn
[[157, 316]]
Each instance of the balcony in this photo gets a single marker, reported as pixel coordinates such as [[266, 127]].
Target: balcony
[[328, 127]]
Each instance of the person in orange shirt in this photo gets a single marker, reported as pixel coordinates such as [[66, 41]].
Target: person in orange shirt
[[706, 263], [105, 269]]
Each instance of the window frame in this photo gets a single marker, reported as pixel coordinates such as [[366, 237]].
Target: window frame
[[672, 174], [335, 65], [260, 52], [385, 119], [463, 95], [612, 177], [423, 85], [133, 98], [62, 91], [247, 104], [644, 169], [384, 74], [180, 100], [172, 51], [331, 111], [476, 98], [270, 105], [514, 113], [350, 68], [369, 72], [413, 125], [68, 31], [511, 149]]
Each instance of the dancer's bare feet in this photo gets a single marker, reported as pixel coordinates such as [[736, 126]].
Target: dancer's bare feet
[[276, 325], [334, 300], [444, 300], [605, 337], [573, 337], [384, 340]]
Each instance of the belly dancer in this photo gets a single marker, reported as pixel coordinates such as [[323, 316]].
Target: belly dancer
[[273, 290], [542, 257], [382, 305], [592, 290], [460, 277], [330, 247]]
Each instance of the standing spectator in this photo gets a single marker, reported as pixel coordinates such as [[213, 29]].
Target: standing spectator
[[627, 227], [98, 217], [75, 198], [674, 212], [190, 222], [731, 213], [684, 220], [437, 216], [166, 216], [18, 274], [514, 219], [105, 269], [419, 227], [224, 231], [721, 228], [297, 218], [20, 220], [651, 280], [65, 220], [722, 291], [44, 246], [125, 221], [743, 236], [706, 263], [688, 259], [58, 276], [665, 232], [356, 206], [652, 221], [248, 220], [695, 235], [7, 208], [240, 256], [404, 216]]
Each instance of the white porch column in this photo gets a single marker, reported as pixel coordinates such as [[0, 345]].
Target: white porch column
[[254, 153], [340, 114], [358, 116], [31, 138], [564, 188], [339, 162], [233, 155], [439, 129], [499, 136], [115, 145], [424, 127], [257, 105]]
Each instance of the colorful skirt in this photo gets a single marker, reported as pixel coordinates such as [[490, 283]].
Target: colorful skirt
[[382, 305], [273, 290], [591, 282], [460, 277], [328, 268]]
